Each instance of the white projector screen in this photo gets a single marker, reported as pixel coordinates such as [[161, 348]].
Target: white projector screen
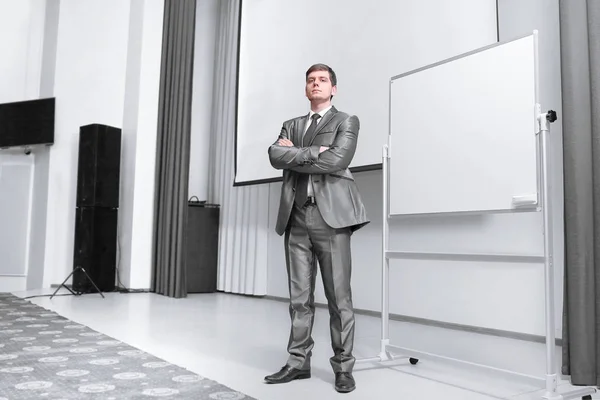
[[365, 43], [463, 133]]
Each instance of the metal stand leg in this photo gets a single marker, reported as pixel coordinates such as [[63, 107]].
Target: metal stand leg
[[384, 354], [552, 377], [69, 289], [63, 285], [385, 270], [91, 280]]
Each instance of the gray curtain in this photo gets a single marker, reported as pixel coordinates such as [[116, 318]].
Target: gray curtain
[[173, 148], [244, 222], [580, 64]]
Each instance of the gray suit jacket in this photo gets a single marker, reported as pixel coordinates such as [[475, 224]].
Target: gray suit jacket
[[336, 193]]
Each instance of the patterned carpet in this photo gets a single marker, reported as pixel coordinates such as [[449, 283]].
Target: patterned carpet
[[46, 356]]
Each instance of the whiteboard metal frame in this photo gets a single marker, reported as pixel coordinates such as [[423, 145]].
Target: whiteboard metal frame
[[542, 132]]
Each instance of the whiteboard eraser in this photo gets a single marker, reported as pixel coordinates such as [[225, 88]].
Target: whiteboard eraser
[[528, 200]]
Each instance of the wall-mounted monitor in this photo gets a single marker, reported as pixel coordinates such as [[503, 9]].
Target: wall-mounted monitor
[[27, 123]]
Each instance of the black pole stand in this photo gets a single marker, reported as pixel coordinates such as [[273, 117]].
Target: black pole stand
[[69, 289]]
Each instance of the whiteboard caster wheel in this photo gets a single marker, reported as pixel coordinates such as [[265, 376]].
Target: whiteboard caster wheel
[[413, 361]]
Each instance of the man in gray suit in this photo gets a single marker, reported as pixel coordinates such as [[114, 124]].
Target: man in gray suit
[[320, 208]]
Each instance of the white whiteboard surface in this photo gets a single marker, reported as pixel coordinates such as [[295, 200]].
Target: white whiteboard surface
[[364, 42], [463, 132]]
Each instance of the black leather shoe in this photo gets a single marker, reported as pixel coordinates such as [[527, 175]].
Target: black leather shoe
[[288, 374], [344, 382]]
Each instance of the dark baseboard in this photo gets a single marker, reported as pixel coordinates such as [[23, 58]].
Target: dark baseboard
[[441, 324]]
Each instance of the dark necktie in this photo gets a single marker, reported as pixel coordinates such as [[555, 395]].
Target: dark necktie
[[302, 182]]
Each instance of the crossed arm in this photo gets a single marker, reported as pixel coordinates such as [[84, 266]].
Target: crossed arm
[[317, 159]]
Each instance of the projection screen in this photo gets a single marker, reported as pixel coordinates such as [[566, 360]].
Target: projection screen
[[366, 43]]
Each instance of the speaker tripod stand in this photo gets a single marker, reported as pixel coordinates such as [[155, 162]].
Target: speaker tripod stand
[[78, 268]]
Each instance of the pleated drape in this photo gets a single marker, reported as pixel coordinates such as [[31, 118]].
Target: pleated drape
[[243, 240], [173, 148], [580, 69]]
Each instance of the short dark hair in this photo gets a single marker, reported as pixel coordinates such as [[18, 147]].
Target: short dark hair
[[323, 67]]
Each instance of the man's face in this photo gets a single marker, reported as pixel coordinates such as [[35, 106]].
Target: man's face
[[318, 86]]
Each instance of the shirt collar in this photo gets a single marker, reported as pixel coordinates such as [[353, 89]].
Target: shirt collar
[[321, 113]]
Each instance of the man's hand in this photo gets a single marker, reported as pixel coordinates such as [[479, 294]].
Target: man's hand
[[285, 142], [322, 149]]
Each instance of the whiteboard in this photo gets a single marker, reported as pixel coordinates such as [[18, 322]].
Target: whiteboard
[[463, 132]]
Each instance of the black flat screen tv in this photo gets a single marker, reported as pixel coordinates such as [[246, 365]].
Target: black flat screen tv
[[27, 123]]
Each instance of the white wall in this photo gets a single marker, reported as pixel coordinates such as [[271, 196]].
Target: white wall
[[22, 28], [518, 18], [16, 192], [37, 239], [49, 48], [89, 85], [102, 62], [14, 24], [35, 276], [21, 33], [207, 14], [129, 138], [140, 265], [139, 142], [504, 296], [107, 71]]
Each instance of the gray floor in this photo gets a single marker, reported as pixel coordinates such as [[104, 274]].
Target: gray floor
[[237, 340]]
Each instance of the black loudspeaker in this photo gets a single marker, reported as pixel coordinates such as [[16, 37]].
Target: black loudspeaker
[[96, 222], [99, 166], [95, 248]]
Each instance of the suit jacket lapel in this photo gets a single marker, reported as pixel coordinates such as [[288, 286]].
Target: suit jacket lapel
[[326, 118], [299, 130]]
